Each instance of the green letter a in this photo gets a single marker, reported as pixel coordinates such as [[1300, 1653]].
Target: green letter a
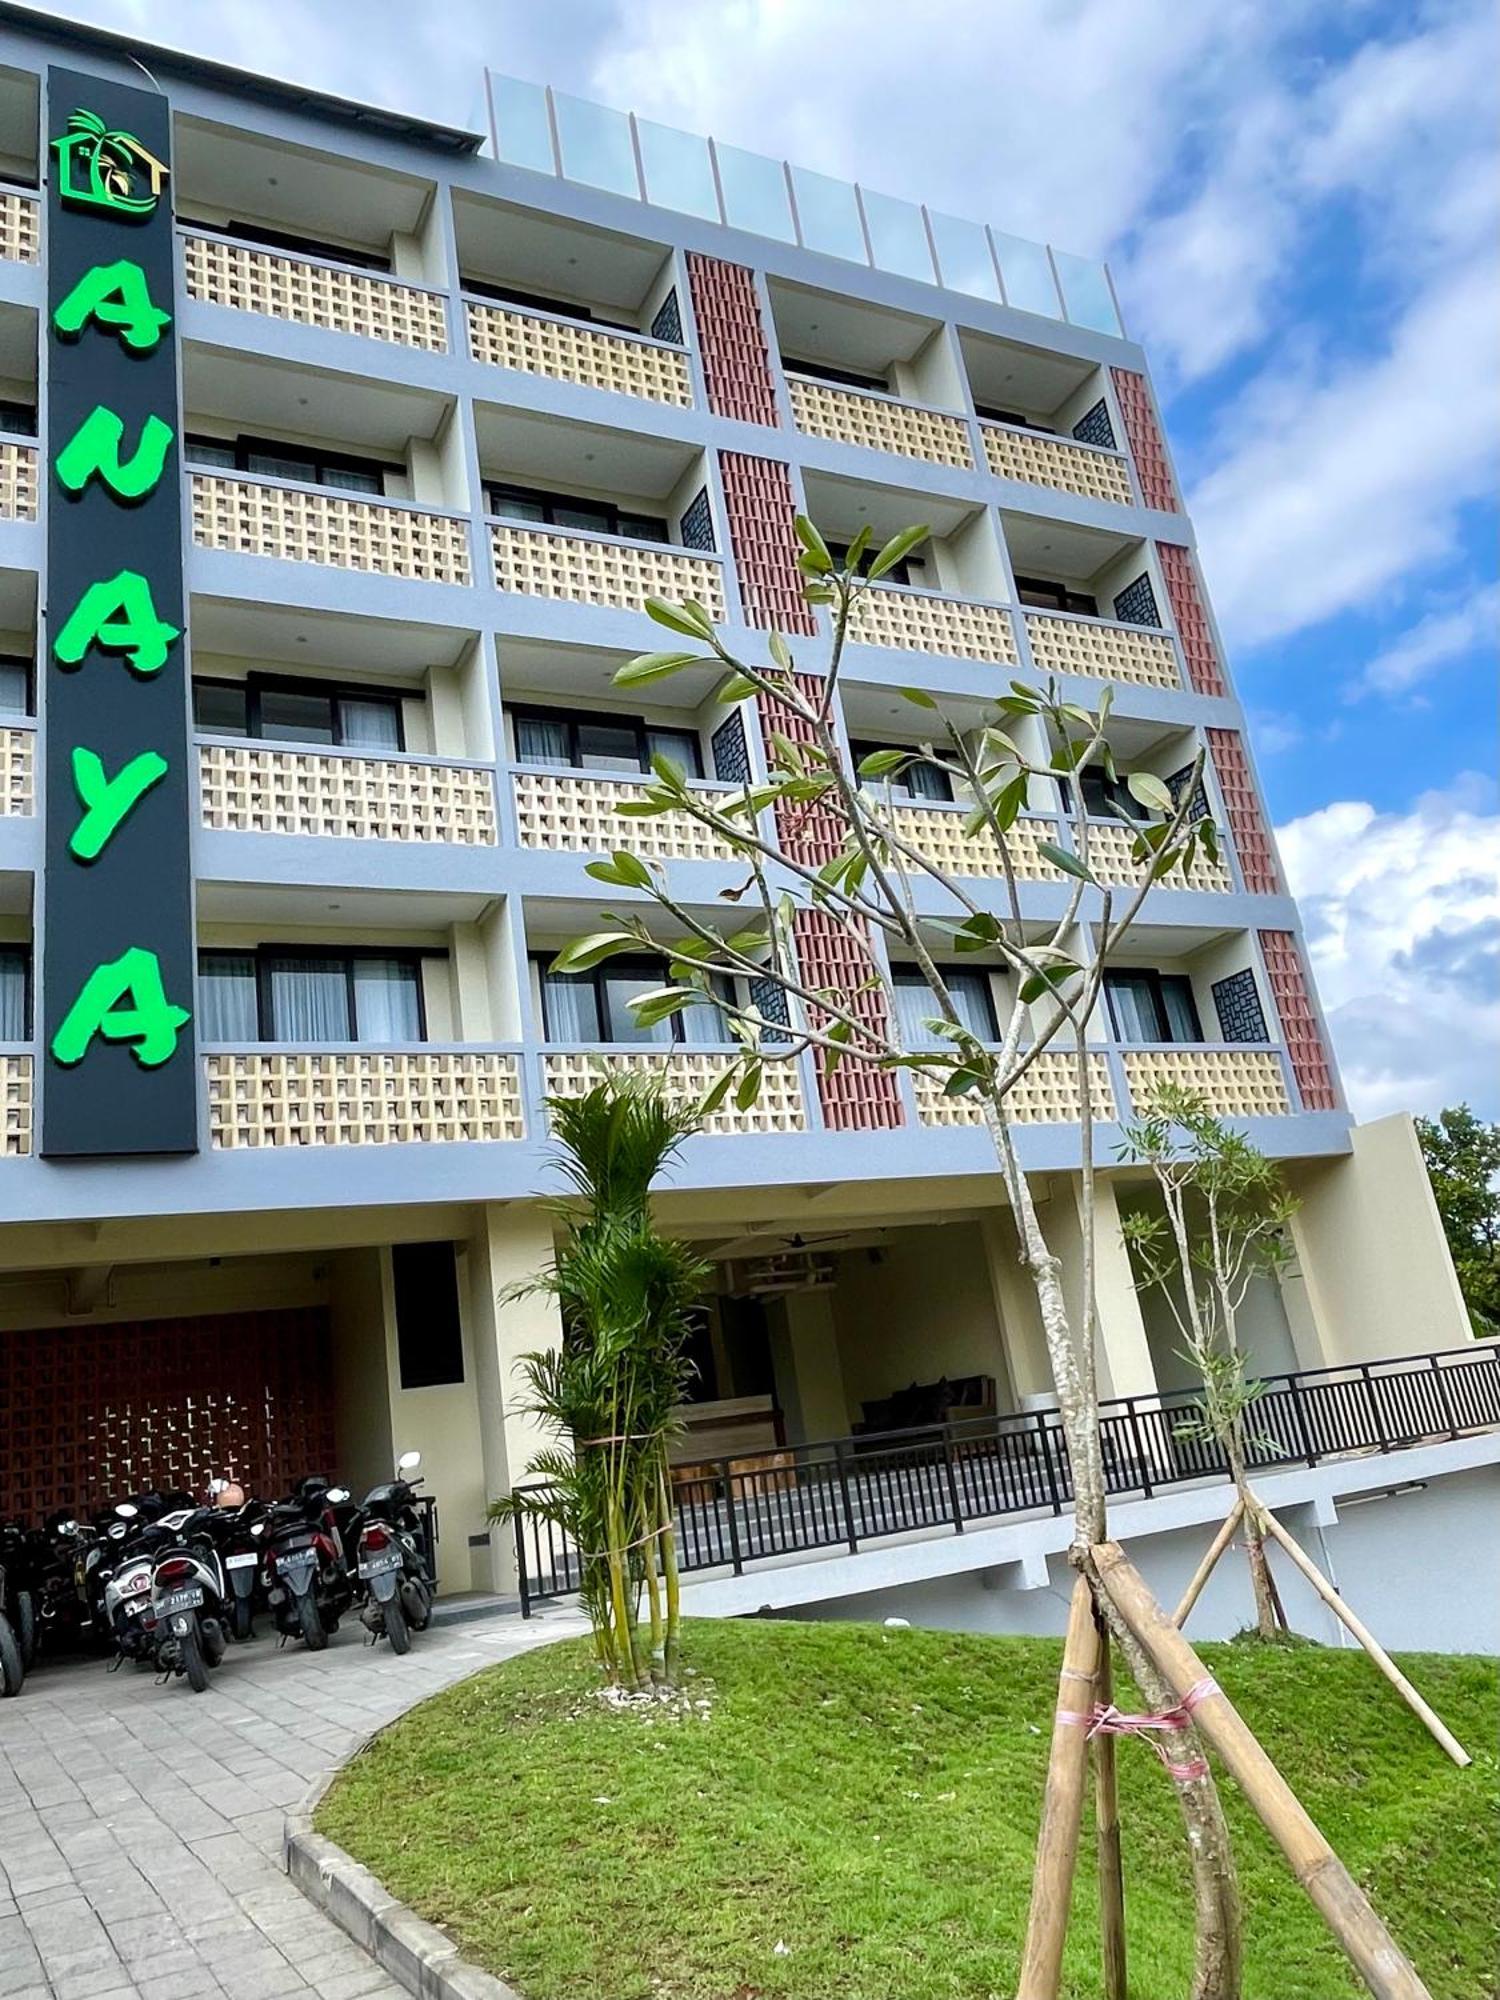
[[119, 615], [95, 448], [118, 296], [151, 1022]]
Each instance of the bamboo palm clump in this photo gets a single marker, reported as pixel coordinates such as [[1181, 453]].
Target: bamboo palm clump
[[626, 1295]]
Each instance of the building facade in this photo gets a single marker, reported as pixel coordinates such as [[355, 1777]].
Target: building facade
[[401, 424]]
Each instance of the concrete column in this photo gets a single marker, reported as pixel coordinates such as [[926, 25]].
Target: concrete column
[[1021, 1339], [809, 1375], [1125, 1364]]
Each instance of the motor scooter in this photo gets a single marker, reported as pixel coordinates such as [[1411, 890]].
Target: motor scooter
[[394, 1561]]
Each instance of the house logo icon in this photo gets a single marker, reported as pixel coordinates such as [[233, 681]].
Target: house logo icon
[[100, 168]]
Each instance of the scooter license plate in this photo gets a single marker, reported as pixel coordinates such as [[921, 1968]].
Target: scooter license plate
[[242, 1562], [294, 1561], [378, 1565], [187, 1599]]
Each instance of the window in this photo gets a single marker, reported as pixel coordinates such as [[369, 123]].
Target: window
[[910, 569], [1152, 1007], [1048, 596], [846, 378], [916, 1005], [283, 994], [540, 302], [429, 1330], [298, 712], [292, 243], [17, 419], [595, 1006], [560, 510], [917, 781], [602, 742], [306, 464], [15, 685], [1104, 797], [15, 993], [1014, 418]]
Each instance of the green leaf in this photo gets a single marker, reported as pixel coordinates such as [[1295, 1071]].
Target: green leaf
[[631, 869], [777, 647], [961, 1082], [856, 549], [818, 593], [689, 618], [654, 667], [714, 1096], [618, 877], [918, 697], [882, 763], [1050, 979], [581, 954], [736, 688], [660, 1004], [814, 546], [1150, 792], [671, 776], [897, 547], [749, 1088], [1061, 858]]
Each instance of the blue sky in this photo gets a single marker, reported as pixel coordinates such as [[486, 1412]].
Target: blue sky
[[1299, 200]]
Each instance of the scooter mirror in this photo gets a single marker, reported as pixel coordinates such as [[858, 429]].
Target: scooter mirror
[[257, 1527], [408, 1461], [127, 1511], [337, 1494], [67, 1527]]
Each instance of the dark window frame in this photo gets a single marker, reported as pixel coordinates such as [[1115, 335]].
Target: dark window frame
[[1112, 798], [840, 378], [348, 955], [292, 243], [991, 413], [255, 685], [911, 976], [1080, 602], [549, 502], [517, 296], [8, 404], [862, 747], [23, 952], [899, 572], [24, 661], [634, 964], [1157, 983], [573, 718], [245, 446]]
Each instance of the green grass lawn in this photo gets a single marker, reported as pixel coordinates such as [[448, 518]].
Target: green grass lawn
[[855, 1817]]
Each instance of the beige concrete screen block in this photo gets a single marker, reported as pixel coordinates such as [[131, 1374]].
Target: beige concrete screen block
[[356, 1097], [360, 302], [1110, 858], [247, 790], [1236, 1083], [17, 772], [1046, 1093], [1101, 651], [556, 814], [248, 518], [18, 482], [846, 416], [1039, 460], [20, 229], [940, 835], [594, 359], [15, 1106], [538, 563], [917, 621], [689, 1073]]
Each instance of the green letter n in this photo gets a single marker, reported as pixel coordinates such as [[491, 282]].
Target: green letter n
[[95, 448]]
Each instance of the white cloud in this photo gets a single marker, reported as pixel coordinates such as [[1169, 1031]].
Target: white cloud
[[1402, 912], [1431, 643]]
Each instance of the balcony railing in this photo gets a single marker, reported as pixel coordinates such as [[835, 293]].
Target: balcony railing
[[602, 569], [18, 481], [358, 1096], [20, 227], [245, 788], [924, 621], [938, 832], [15, 1104], [569, 350], [1110, 858], [842, 1494], [312, 292], [688, 1073], [559, 813], [1037, 459], [1045, 1094], [880, 422], [1236, 1080], [17, 772], [259, 517], [1062, 642]]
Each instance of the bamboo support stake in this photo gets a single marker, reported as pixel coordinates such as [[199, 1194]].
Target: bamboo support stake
[[1062, 1805], [1304, 1562], [1369, 1946], [1205, 1569], [1107, 1831]]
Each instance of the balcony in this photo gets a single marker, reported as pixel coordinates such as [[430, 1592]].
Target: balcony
[[15, 1104], [20, 227], [260, 1098], [1045, 1094], [879, 422], [17, 772], [313, 292], [248, 515], [270, 788], [1036, 459], [602, 569], [1111, 860], [1236, 1081], [1099, 649], [688, 1073], [1045, 418], [557, 813], [937, 831], [18, 481], [911, 620], [568, 350]]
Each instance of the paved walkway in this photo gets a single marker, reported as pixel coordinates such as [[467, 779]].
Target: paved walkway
[[140, 1824]]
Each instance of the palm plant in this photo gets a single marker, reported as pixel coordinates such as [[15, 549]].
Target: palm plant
[[625, 1295]]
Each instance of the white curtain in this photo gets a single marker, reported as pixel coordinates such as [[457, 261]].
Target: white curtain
[[226, 998], [914, 1007], [12, 996], [386, 1003], [572, 1009], [370, 725], [309, 1000]]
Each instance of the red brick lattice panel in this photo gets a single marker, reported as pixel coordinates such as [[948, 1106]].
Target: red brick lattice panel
[[857, 1097], [732, 340], [1251, 839], [1144, 433], [1198, 647], [811, 834], [758, 501], [88, 1413], [1299, 1024]]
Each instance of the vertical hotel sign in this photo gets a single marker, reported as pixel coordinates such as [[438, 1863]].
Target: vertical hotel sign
[[117, 961]]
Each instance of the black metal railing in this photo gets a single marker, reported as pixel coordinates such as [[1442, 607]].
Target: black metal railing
[[848, 1491]]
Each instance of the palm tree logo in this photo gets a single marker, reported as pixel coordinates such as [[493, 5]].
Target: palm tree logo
[[100, 167]]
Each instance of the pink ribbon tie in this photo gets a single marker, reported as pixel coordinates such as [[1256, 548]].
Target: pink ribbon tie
[[1107, 1720]]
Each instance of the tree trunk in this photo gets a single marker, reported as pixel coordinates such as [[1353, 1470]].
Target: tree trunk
[[1267, 1624], [669, 1567]]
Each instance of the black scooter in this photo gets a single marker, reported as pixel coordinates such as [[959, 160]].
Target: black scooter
[[307, 1578], [394, 1562]]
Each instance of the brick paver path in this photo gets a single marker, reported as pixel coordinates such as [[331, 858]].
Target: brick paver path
[[140, 1825]]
